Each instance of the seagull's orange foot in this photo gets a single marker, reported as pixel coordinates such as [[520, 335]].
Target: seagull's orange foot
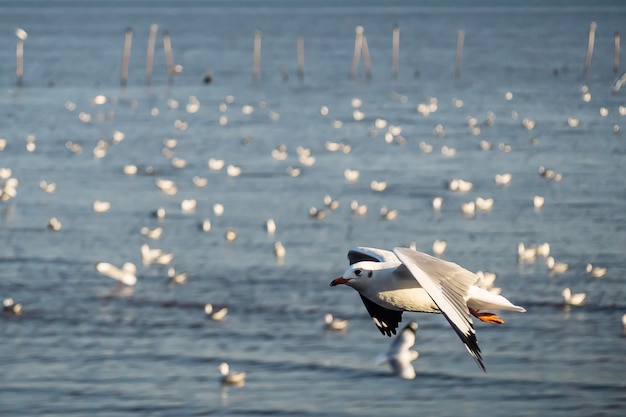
[[486, 317]]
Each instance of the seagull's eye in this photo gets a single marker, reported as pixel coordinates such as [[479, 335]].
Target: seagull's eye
[[357, 272]]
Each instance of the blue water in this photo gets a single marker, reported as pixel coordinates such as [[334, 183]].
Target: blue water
[[83, 347]]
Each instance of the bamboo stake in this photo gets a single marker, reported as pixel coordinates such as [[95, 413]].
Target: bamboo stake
[[358, 41], [150, 54], [128, 42], [256, 58], [395, 50], [590, 44], [300, 49], [616, 54], [459, 52], [169, 58], [19, 55], [366, 59]]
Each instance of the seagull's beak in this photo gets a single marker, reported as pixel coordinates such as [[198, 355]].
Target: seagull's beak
[[340, 280]]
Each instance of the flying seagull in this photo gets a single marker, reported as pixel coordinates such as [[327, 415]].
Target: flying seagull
[[399, 356], [390, 283]]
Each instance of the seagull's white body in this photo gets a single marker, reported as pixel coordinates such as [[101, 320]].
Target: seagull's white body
[[399, 356], [230, 377], [406, 280], [125, 275], [335, 324], [573, 299]]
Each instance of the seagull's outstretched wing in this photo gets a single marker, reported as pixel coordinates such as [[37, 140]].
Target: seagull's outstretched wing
[[362, 253], [386, 320], [447, 284]]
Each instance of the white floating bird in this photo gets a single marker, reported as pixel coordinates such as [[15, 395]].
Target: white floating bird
[[526, 254], [399, 356], [378, 185], [149, 255], [437, 202], [330, 203], [351, 175], [231, 235], [151, 233], [10, 306], [538, 201], [458, 184], [159, 213], [233, 170], [503, 179], [279, 250], [231, 377], [316, 213], [199, 181], [130, 169], [556, 267], [596, 271], [543, 249], [469, 208], [206, 225], [166, 186], [48, 187], [54, 224], [270, 226], [388, 214], [439, 247], [486, 279], [576, 299], [358, 209], [126, 275], [188, 205], [216, 164], [293, 171], [176, 277], [218, 209], [484, 204], [335, 324], [101, 206], [406, 280], [213, 314]]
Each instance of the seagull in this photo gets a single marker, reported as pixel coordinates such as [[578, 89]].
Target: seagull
[[556, 267], [176, 277], [213, 314], [390, 283], [335, 324], [596, 271], [576, 299], [126, 275], [10, 306], [399, 356], [231, 378]]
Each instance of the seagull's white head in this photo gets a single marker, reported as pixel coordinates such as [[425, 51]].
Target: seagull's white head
[[358, 275]]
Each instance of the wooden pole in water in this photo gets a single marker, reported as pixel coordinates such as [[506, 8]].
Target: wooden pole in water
[[459, 52], [169, 58], [358, 41], [366, 59], [128, 42], [590, 44], [150, 54], [300, 49], [616, 54], [256, 57], [395, 50], [19, 55], [19, 69]]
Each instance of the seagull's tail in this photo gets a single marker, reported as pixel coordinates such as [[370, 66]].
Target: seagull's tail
[[480, 299]]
